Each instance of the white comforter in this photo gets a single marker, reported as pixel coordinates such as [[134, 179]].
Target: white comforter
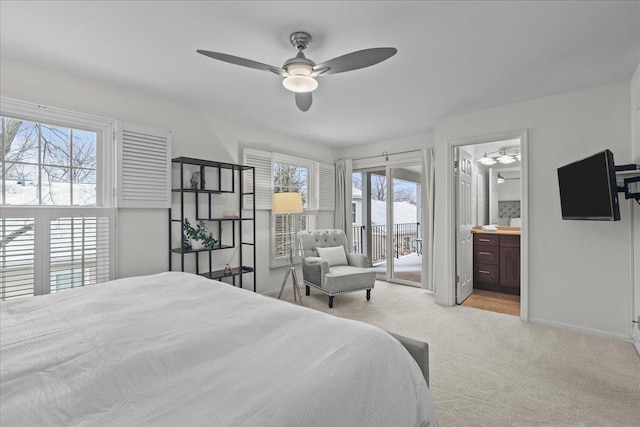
[[176, 349]]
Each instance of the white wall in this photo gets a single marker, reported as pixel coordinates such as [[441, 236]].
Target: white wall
[[509, 190], [635, 158], [579, 274], [414, 142], [142, 233]]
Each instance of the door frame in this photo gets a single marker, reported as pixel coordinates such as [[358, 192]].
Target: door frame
[[450, 283], [376, 165]]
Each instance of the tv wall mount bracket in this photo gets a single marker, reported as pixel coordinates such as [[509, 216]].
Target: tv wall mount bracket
[[629, 177]]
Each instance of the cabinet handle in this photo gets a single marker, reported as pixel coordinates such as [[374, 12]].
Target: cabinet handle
[[484, 272], [484, 240], [484, 253]]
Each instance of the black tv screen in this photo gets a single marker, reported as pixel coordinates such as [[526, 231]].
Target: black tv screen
[[588, 189]]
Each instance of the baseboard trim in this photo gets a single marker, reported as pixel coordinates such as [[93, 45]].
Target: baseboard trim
[[589, 331], [636, 342]]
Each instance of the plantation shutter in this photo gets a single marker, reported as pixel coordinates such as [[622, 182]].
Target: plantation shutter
[[17, 257], [326, 187], [80, 249], [262, 162], [144, 167]]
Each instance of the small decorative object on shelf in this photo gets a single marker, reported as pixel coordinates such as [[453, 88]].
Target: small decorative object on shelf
[[195, 177], [227, 269], [200, 236]]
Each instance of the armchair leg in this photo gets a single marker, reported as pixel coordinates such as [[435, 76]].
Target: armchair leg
[[331, 301], [368, 294], [307, 291]]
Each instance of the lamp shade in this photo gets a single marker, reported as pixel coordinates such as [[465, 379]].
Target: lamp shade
[[287, 203]]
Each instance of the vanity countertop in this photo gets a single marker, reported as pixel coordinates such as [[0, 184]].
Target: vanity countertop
[[501, 230]]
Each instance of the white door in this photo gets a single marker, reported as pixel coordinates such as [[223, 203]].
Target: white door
[[464, 218]]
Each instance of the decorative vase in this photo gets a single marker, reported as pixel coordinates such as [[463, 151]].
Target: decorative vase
[[197, 245]]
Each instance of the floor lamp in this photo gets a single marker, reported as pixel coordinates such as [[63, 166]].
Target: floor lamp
[[289, 203]]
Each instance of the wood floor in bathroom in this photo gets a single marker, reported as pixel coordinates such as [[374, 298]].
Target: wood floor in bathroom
[[494, 301]]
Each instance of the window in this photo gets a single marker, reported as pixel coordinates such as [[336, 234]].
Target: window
[[57, 216], [295, 175], [276, 172], [44, 164]]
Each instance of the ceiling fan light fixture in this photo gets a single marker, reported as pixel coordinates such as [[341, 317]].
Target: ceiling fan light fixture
[[300, 84]]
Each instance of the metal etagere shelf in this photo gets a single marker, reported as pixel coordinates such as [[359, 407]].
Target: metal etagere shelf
[[227, 178]]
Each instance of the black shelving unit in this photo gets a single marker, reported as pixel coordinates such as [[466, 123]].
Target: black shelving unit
[[216, 172]]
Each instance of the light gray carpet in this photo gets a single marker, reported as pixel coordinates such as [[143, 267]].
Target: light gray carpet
[[491, 369]]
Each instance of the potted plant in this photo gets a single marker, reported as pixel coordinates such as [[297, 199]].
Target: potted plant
[[200, 236]]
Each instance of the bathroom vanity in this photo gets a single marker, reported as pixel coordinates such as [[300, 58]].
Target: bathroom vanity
[[496, 259]]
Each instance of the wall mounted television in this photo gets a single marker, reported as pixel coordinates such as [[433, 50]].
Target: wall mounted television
[[588, 189]]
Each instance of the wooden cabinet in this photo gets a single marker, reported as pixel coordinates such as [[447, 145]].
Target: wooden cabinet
[[496, 262]]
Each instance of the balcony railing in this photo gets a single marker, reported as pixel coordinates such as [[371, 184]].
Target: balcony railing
[[404, 240]]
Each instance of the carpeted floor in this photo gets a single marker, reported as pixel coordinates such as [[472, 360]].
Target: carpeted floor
[[491, 369]]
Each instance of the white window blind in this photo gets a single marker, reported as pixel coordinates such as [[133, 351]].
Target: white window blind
[[262, 162], [17, 257], [285, 228], [79, 251], [144, 167], [326, 187]]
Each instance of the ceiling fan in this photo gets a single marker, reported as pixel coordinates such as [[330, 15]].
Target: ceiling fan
[[300, 73]]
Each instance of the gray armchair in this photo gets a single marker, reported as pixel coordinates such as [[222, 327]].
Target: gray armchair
[[354, 275]]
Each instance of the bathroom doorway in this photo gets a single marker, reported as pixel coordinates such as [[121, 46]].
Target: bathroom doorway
[[489, 210]]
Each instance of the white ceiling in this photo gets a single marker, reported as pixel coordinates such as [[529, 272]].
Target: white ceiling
[[453, 57]]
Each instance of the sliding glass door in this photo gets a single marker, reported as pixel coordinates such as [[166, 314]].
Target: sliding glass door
[[386, 221]]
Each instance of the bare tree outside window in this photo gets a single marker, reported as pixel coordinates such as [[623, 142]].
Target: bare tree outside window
[[379, 189], [47, 165]]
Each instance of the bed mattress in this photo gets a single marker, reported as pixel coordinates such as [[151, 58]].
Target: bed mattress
[[177, 349]]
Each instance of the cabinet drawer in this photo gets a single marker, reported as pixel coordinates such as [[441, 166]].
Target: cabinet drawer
[[486, 254], [510, 240], [486, 239], [485, 273]]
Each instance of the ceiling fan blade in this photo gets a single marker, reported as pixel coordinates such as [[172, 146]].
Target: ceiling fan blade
[[242, 61], [304, 100], [355, 60]]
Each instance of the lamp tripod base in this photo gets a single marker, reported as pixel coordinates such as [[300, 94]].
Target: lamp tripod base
[[296, 288]]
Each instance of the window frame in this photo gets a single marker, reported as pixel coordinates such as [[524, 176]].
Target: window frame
[[43, 214], [310, 210], [105, 153]]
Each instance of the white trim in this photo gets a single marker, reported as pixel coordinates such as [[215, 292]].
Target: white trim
[[449, 287], [104, 128], [590, 331]]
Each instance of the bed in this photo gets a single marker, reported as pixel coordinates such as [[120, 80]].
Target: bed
[[178, 349]]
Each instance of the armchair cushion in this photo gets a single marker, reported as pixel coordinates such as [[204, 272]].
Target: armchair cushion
[[345, 278], [358, 260], [334, 255]]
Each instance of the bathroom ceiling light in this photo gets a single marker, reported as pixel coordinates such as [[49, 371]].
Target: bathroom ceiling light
[[486, 160], [500, 179], [503, 156], [506, 159]]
